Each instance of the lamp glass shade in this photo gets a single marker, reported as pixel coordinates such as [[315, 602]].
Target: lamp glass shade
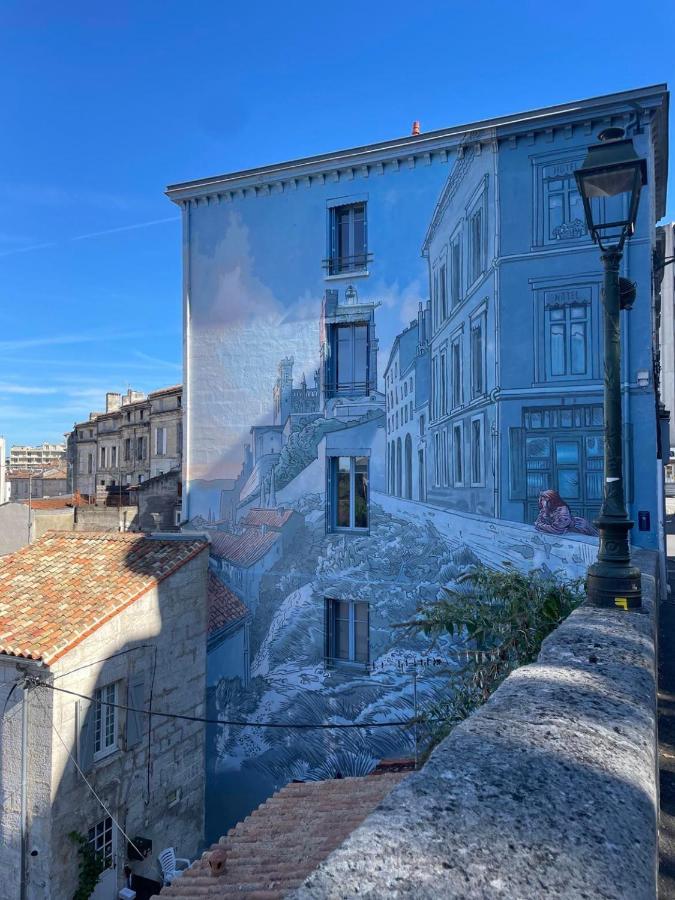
[[609, 183]]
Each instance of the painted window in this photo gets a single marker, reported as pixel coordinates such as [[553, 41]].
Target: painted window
[[456, 362], [100, 839], [348, 252], [455, 272], [105, 720], [422, 424], [443, 292], [476, 245], [443, 406], [444, 457], [437, 459], [348, 370], [564, 217], [478, 356], [349, 493], [347, 632], [458, 454], [567, 331], [477, 451]]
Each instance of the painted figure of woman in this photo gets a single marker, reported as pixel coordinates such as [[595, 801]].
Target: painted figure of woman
[[555, 517]]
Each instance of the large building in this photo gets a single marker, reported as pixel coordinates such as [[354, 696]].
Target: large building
[[24, 457], [95, 629], [137, 437], [448, 292]]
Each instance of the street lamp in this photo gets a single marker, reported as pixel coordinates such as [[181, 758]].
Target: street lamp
[[609, 182]]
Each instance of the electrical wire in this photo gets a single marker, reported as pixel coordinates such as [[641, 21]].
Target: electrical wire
[[399, 723], [88, 783]]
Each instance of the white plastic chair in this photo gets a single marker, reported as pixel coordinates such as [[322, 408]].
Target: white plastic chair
[[172, 866]]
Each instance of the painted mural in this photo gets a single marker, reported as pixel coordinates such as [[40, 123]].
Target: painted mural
[[394, 372]]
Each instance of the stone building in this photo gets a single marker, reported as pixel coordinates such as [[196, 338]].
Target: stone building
[[37, 483], [136, 438], [130, 633]]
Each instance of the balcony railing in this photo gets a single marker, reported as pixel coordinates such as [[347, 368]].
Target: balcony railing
[[343, 265]]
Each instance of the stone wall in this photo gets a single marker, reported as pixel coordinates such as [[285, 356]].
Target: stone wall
[[162, 798], [105, 518], [547, 790]]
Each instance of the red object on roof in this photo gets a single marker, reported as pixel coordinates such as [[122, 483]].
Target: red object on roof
[[67, 500], [224, 605], [243, 549], [59, 590], [273, 850], [273, 518]]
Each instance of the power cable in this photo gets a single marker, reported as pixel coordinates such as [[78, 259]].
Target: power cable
[[402, 723]]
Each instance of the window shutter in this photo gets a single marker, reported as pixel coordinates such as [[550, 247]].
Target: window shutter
[[328, 630], [85, 714], [517, 472], [329, 494], [135, 699], [332, 240]]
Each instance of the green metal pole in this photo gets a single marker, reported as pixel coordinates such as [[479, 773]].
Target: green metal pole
[[613, 581]]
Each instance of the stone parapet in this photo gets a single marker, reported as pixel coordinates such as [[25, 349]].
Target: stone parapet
[[550, 789]]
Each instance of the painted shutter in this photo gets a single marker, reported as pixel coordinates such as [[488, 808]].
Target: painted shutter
[[328, 631], [135, 699], [332, 241], [517, 471], [329, 494], [85, 745]]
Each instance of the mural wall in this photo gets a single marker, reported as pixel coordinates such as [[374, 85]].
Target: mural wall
[[393, 371]]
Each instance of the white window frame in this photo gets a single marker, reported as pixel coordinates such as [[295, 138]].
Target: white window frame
[[104, 698], [333, 474], [334, 660], [458, 427]]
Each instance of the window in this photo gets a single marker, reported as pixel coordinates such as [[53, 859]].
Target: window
[[105, 720], [443, 291], [443, 385], [478, 357], [103, 457], [458, 455], [113, 456], [348, 492], [437, 459], [90, 463], [347, 627], [456, 362], [100, 839], [455, 272], [160, 441], [421, 426], [476, 245], [179, 401], [141, 414], [348, 362], [476, 451], [564, 217], [179, 437], [348, 251], [140, 448], [127, 449], [444, 457], [568, 340]]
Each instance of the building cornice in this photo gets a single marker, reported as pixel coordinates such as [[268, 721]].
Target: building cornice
[[410, 151]]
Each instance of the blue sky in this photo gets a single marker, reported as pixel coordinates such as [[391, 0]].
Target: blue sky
[[103, 105]]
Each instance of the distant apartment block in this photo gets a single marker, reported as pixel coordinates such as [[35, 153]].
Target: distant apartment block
[[23, 457]]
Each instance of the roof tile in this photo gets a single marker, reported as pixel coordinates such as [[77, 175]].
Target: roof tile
[[243, 549], [66, 585], [224, 605]]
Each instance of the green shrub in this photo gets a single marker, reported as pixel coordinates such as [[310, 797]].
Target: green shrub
[[497, 621]]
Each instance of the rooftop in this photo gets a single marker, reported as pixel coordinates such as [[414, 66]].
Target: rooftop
[[57, 591], [273, 518], [166, 390], [224, 605], [274, 849], [61, 502], [243, 549]]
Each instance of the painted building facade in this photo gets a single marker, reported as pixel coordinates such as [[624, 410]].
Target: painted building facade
[[445, 289]]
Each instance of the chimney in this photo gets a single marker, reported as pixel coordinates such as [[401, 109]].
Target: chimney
[[416, 127], [113, 401]]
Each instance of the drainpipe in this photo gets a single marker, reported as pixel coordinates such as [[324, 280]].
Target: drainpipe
[[496, 444], [24, 793]]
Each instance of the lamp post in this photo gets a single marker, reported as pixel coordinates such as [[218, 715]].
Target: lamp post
[[609, 181]]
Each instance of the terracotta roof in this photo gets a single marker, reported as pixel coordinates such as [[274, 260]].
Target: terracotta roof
[[57, 591], [224, 605], [55, 502], [243, 549], [273, 518], [271, 852]]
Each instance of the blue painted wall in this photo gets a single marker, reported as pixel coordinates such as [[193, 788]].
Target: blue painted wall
[[464, 403]]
